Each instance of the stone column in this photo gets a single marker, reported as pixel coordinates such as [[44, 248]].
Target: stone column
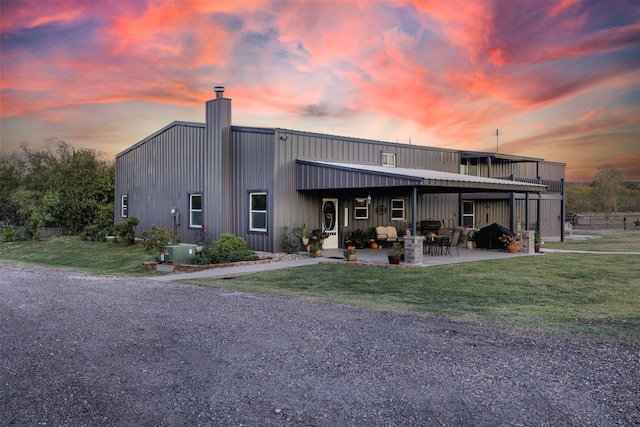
[[413, 249], [527, 242]]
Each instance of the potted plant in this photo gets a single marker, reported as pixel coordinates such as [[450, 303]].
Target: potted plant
[[537, 241], [350, 253], [395, 253], [471, 237], [316, 248], [301, 232], [510, 243]]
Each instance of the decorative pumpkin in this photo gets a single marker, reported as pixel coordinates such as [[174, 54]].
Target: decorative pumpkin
[[374, 245]]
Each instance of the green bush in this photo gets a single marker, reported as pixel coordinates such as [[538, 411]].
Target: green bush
[[94, 232], [9, 234], [228, 248], [289, 241], [127, 230], [157, 237]]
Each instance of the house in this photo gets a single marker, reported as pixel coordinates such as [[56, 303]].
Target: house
[[250, 181]]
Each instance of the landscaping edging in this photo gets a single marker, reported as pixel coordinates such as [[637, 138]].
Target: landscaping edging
[[191, 268]]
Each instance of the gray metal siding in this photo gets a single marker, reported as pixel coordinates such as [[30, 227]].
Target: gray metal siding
[[159, 174], [253, 171]]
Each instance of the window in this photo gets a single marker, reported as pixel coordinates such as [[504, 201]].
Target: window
[[258, 212], [361, 209], [389, 159], [195, 210], [124, 209], [397, 210], [469, 167], [468, 213]]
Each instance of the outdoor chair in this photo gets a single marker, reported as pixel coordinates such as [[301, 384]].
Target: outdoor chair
[[453, 241]]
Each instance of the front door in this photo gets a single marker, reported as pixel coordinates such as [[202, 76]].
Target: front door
[[330, 223]]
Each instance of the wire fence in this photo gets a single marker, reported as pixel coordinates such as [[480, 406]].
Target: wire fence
[[626, 221]]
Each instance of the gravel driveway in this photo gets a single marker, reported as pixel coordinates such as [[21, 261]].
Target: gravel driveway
[[76, 349]]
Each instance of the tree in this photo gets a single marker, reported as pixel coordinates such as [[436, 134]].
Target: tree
[[608, 186], [78, 186]]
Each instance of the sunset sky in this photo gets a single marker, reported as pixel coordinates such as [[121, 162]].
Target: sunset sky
[[559, 79]]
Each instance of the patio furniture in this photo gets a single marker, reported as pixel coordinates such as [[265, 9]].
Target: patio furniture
[[386, 234], [453, 242]]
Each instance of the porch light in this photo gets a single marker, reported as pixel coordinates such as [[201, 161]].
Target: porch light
[[369, 199]]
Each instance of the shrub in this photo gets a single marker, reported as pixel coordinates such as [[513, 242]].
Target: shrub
[[127, 230], [288, 240], [94, 232], [9, 234], [157, 237], [228, 248]]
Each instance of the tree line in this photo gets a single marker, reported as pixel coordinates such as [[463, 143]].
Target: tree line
[[608, 194], [57, 187], [74, 190]]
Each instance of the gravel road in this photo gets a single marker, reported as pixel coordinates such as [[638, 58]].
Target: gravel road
[[77, 349]]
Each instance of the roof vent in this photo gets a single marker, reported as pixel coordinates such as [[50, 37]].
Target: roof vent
[[219, 90]]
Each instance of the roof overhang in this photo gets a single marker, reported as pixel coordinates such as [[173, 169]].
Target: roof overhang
[[321, 175]]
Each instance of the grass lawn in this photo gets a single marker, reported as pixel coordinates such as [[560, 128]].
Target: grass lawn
[[621, 241], [595, 294], [102, 258]]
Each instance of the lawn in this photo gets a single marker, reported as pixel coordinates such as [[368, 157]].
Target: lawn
[[102, 258], [594, 294]]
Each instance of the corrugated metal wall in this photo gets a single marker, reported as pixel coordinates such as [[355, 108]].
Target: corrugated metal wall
[[159, 174], [254, 172]]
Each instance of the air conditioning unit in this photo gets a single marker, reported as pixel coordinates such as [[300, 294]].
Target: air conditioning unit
[[182, 253]]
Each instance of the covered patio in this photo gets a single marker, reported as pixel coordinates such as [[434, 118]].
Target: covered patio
[[379, 256]]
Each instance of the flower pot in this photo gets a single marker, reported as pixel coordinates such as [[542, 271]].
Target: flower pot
[[513, 248], [317, 254], [469, 244], [305, 241], [536, 248], [352, 257], [394, 259]]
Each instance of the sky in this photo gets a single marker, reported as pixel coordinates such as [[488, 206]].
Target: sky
[[558, 80]]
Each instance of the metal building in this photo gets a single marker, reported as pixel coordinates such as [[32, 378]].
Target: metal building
[[254, 181]]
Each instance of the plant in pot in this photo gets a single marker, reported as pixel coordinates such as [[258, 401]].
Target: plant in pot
[[317, 240], [510, 243], [301, 232], [537, 241], [395, 253], [471, 237], [350, 253]]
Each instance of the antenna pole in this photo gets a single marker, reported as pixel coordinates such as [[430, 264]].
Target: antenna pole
[[497, 135]]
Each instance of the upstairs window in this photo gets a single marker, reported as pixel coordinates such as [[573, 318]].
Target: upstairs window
[[124, 206], [195, 210], [258, 211], [389, 159]]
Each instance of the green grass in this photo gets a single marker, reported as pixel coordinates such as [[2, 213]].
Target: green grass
[[565, 293], [594, 294], [623, 241], [101, 258]]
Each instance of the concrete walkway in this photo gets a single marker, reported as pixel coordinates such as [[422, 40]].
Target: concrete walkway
[[378, 256]]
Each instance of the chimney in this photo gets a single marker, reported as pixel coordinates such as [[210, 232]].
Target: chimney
[[219, 90]]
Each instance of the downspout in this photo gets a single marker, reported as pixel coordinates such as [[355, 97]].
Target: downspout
[[512, 208], [414, 211], [460, 210], [539, 209], [562, 212]]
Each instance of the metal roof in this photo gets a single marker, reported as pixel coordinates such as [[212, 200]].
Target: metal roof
[[316, 175]]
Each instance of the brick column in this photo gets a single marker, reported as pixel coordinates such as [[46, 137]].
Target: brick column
[[413, 249]]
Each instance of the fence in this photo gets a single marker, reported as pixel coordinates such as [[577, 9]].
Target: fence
[[627, 221]]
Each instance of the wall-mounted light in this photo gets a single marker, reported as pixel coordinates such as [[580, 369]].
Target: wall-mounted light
[[369, 199], [283, 137]]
